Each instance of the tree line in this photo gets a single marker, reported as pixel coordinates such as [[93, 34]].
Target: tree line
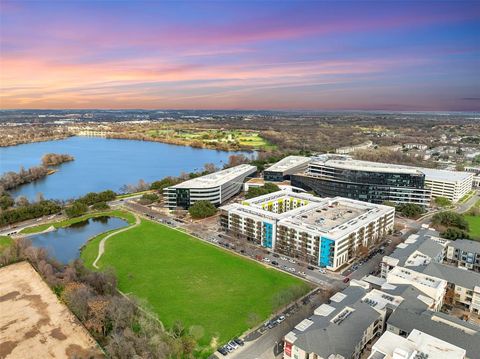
[[11, 179]]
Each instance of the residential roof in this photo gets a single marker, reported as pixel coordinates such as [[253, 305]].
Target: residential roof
[[459, 276], [466, 245], [288, 163], [391, 345], [218, 178], [450, 329], [325, 337]]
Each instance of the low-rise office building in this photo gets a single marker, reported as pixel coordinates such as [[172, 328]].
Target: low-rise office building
[[464, 253], [215, 187], [449, 184], [376, 182], [282, 170], [362, 180], [349, 149], [328, 232]]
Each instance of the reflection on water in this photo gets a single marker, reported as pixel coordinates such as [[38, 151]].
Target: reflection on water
[[64, 243]]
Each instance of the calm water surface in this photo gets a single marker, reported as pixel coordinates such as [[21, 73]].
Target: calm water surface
[[102, 164], [64, 243]]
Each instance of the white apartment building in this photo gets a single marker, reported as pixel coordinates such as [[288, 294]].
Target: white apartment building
[[215, 187], [328, 232]]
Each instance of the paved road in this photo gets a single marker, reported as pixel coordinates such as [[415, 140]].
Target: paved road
[[17, 227]]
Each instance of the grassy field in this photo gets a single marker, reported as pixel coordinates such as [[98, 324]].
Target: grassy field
[[182, 278], [213, 137], [5, 242], [474, 223], [67, 222]]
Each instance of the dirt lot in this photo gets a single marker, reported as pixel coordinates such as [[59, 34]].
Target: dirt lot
[[34, 323]]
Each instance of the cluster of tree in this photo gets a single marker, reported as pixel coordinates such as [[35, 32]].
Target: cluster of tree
[[259, 191], [10, 180], [389, 156], [119, 324], [6, 201], [410, 210], [54, 159], [140, 186], [149, 198], [442, 201], [163, 183], [31, 132], [202, 209], [26, 211], [98, 201], [451, 224]]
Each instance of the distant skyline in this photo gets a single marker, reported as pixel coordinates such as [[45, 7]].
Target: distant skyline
[[280, 55]]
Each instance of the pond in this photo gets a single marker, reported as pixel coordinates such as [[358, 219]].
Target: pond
[[64, 243], [102, 164]]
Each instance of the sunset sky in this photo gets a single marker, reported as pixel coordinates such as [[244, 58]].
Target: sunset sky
[[316, 55]]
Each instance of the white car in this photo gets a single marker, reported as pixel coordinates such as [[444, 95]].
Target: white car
[[280, 319], [322, 271], [266, 260], [291, 270], [284, 258], [292, 261]]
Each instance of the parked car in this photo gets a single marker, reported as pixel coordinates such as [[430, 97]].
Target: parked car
[[275, 255], [323, 271], [346, 280], [233, 344], [311, 268], [280, 319], [266, 260], [303, 273], [292, 261], [283, 258], [239, 341], [223, 351], [275, 263]]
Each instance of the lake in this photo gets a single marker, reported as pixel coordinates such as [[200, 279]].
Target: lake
[[64, 243], [102, 164]]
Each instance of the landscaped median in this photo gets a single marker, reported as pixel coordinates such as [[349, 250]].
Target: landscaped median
[[130, 218], [213, 292]]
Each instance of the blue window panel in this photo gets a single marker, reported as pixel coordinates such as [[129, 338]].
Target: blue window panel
[[267, 235], [326, 249]]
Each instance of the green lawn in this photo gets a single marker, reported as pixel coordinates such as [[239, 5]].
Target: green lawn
[[5, 241], [474, 223], [67, 222], [182, 278]]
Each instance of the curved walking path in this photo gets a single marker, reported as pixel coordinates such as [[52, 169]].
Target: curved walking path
[[101, 245]]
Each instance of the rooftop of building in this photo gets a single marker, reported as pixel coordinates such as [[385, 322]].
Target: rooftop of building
[[217, 178], [346, 316], [335, 216], [445, 327], [417, 345], [413, 276], [369, 166], [288, 163], [425, 241], [458, 276], [466, 245]]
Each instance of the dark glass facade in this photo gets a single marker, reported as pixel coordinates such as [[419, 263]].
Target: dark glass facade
[[374, 187], [273, 176]]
